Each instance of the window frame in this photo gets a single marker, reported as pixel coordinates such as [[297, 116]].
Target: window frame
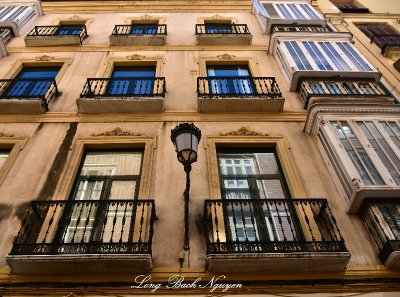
[[346, 161], [14, 145], [281, 145], [66, 184]]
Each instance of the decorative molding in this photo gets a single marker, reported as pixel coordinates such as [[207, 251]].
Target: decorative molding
[[76, 18], [356, 183], [226, 57], [217, 17], [44, 58], [243, 132], [146, 17], [117, 132], [135, 57], [6, 135]]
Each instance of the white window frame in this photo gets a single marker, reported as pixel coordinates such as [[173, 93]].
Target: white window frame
[[353, 67], [347, 162]]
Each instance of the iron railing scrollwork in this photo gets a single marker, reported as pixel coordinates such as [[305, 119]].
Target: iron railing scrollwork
[[86, 227], [237, 86], [271, 226], [63, 30], [124, 87], [29, 88]]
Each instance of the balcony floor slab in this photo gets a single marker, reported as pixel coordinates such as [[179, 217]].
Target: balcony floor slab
[[277, 262], [76, 264], [21, 106]]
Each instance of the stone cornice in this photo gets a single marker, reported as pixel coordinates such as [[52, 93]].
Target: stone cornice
[[64, 117], [96, 6]]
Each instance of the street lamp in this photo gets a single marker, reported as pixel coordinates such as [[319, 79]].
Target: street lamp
[[185, 138]]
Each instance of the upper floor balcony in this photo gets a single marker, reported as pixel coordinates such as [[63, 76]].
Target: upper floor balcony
[[222, 34], [278, 12], [321, 57], [26, 95], [382, 218], [239, 94], [56, 35], [139, 34], [122, 95], [84, 236], [342, 91], [273, 235]]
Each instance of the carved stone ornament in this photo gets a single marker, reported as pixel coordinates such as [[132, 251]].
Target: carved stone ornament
[[217, 17], [6, 135], [44, 58], [226, 57], [356, 183], [76, 18], [117, 132], [146, 17], [135, 57], [243, 132]]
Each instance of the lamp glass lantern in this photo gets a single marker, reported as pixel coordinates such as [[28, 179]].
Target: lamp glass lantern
[[185, 138]]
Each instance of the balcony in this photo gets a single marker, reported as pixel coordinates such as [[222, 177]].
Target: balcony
[[26, 96], [387, 42], [223, 34], [86, 236], [273, 235], [336, 91], [56, 35], [239, 94], [146, 34], [382, 219], [122, 95]]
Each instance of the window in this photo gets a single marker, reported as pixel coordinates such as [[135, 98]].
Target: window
[[218, 28], [373, 148], [325, 56], [383, 221], [3, 156], [254, 174], [142, 29], [291, 11], [132, 80], [230, 80], [382, 35], [349, 6], [69, 30], [33, 82], [104, 175]]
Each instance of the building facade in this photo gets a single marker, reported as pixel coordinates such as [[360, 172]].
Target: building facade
[[296, 185]]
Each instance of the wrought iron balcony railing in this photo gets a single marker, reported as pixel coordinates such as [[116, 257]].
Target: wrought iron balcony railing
[[210, 29], [149, 29], [271, 226], [86, 227], [385, 41], [63, 30], [340, 88], [124, 87], [237, 86], [299, 28], [43, 89]]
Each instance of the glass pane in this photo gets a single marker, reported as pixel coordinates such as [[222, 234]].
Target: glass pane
[[69, 30], [270, 188], [393, 130], [80, 227], [3, 157], [382, 149], [111, 163], [133, 71], [123, 189], [89, 190], [144, 29]]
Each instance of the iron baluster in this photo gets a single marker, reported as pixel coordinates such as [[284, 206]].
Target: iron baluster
[[123, 222], [141, 223], [50, 222], [277, 204]]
